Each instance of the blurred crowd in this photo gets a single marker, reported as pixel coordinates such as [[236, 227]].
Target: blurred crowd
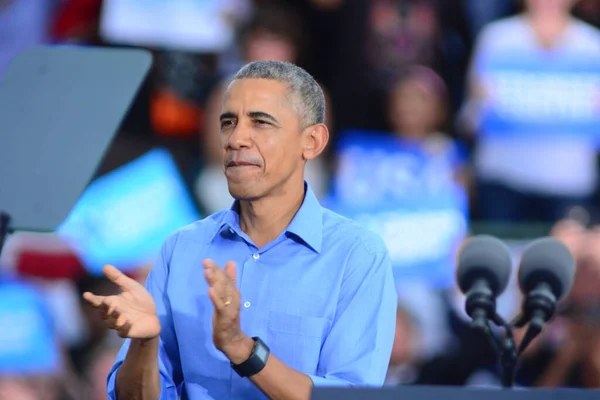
[[442, 113]]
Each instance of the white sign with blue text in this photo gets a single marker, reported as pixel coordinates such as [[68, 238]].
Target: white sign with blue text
[[408, 194]]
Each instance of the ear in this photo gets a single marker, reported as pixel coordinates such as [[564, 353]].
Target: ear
[[315, 138]]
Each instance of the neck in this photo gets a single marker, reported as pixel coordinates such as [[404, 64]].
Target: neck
[[264, 219], [415, 133], [548, 27]]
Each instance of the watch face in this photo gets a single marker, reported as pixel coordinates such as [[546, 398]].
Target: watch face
[[261, 352]]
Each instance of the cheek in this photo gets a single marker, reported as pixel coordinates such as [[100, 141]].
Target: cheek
[[280, 157]]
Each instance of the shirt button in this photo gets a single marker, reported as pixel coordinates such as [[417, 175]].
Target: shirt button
[[256, 256], [247, 304], [231, 230]]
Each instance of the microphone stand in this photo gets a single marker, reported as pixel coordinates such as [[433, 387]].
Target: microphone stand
[[506, 347]]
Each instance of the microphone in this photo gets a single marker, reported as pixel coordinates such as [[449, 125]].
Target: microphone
[[484, 268], [546, 276]]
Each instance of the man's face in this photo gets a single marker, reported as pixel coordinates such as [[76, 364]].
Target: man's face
[[261, 138], [267, 46], [550, 6]]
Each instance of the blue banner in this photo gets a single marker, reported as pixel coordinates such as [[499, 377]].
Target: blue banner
[[540, 94], [28, 345], [123, 217], [406, 192]]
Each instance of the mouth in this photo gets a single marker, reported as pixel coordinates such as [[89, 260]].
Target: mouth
[[240, 164]]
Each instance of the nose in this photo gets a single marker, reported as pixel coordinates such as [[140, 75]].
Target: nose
[[240, 137]]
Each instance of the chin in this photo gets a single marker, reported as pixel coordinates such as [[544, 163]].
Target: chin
[[244, 191]]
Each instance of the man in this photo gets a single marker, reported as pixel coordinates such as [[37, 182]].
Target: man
[[305, 297]]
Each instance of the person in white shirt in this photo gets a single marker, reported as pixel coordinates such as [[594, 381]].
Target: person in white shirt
[[533, 102]]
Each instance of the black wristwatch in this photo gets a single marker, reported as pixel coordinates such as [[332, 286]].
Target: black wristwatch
[[256, 362]]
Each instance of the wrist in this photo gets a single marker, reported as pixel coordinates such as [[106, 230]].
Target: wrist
[[240, 349], [148, 341]]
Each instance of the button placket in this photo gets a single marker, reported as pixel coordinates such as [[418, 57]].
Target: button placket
[[249, 264]]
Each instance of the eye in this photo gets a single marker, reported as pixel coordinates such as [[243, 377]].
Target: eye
[[226, 123], [261, 122]]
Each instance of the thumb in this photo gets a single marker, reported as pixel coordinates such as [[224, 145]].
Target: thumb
[[118, 278], [231, 270]]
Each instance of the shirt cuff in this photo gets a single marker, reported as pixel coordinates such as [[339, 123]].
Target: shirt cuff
[[319, 381], [111, 384]]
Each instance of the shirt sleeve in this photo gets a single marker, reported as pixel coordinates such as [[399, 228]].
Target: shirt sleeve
[[357, 350], [168, 356]]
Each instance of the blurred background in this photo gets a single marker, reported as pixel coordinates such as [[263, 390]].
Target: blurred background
[[448, 118]]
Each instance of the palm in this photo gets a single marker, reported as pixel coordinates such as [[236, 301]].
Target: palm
[[132, 313], [137, 307]]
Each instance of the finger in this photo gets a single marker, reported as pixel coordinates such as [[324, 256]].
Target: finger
[[118, 322], [209, 264], [123, 331], [111, 323], [218, 298], [209, 275], [212, 272], [224, 302], [104, 311], [95, 301], [231, 270], [114, 319], [109, 305], [118, 278], [209, 271]]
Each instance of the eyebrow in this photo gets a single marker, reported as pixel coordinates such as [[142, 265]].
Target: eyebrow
[[263, 115], [227, 115], [251, 114]]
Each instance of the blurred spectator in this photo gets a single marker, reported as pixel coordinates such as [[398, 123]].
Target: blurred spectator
[[405, 355], [100, 364], [96, 336], [419, 111], [401, 33], [274, 33], [533, 102], [408, 186], [567, 354]]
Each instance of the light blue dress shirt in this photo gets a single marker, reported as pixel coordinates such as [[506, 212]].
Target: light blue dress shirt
[[321, 296]]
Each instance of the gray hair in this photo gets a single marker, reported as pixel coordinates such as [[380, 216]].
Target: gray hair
[[306, 94]]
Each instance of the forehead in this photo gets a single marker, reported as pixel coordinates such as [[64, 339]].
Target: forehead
[[256, 95]]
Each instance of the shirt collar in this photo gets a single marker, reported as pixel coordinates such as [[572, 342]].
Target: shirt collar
[[307, 224]]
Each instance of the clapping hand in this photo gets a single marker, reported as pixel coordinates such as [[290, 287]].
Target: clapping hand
[[225, 296], [132, 313]]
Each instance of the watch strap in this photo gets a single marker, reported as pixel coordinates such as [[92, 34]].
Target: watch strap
[[256, 362]]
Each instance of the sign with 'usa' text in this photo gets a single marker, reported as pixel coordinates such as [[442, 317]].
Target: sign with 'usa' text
[[406, 192]]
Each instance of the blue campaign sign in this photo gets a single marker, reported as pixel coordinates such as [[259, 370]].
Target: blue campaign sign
[[28, 345], [123, 217], [406, 192], [537, 94]]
